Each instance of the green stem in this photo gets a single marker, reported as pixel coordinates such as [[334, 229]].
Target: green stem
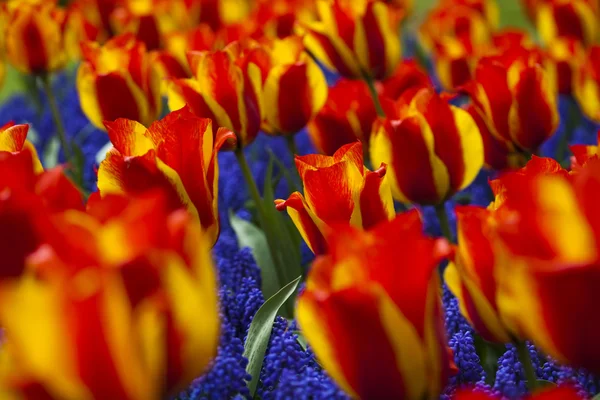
[[371, 84], [440, 211], [60, 129], [262, 219], [290, 140], [525, 359]]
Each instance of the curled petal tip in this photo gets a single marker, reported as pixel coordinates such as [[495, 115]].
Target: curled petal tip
[[381, 171], [280, 204]]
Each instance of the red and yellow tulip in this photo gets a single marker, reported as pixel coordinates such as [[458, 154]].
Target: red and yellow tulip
[[471, 275], [347, 116], [116, 293], [372, 314], [570, 19], [357, 38], [582, 153], [516, 97], [432, 150], [548, 225], [13, 139], [33, 36], [117, 80], [586, 84], [176, 155], [226, 88], [337, 189], [292, 71], [408, 75]]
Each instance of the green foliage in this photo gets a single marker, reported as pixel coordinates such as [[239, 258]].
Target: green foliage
[[260, 331]]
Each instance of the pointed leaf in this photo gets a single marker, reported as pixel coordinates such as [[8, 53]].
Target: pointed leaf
[[260, 332], [249, 235]]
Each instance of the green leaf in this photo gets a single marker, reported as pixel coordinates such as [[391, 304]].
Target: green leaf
[[301, 340], [260, 332], [249, 235], [596, 397], [488, 353], [543, 384]]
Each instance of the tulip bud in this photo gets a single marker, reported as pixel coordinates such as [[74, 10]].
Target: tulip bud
[[470, 276], [569, 19], [292, 72], [34, 37], [355, 195], [432, 150], [117, 80], [372, 313], [357, 39], [176, 155], [516, 97], [586, 84], [226, 88], [549, 275]]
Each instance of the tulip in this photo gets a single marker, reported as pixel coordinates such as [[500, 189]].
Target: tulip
[[570, 19], [13, 139], [28, 197], [408, 75], [278, 18], [226, 87], [549, 271], [358, 39], [372, 314], [34, 37], [347, 115], [118, 313], [292, 72], [470, 276], [516, 97], [582, 153], [117, 80], [586, 84], [565, 55], [552, 393], [355, 195], [432, 150], [176, 155]]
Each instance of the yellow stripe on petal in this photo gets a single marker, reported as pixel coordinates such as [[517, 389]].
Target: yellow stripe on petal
[[86, 87], [175, 180], [309, 315], [471, 144], [408, 347], [37, 164], [391, 38], [559, 206], [380, 150], [441, 178]]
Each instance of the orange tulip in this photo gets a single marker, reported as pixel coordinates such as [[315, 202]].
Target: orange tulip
[[117, 80], [586, 84], [34, 36], [372, 314], [226, 88], [471, 274], [432, 150], [550, 267], [292, 71], [176, 155], [516, 97], [355, 195], [13, 139], [357, 38], [116, 303]]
